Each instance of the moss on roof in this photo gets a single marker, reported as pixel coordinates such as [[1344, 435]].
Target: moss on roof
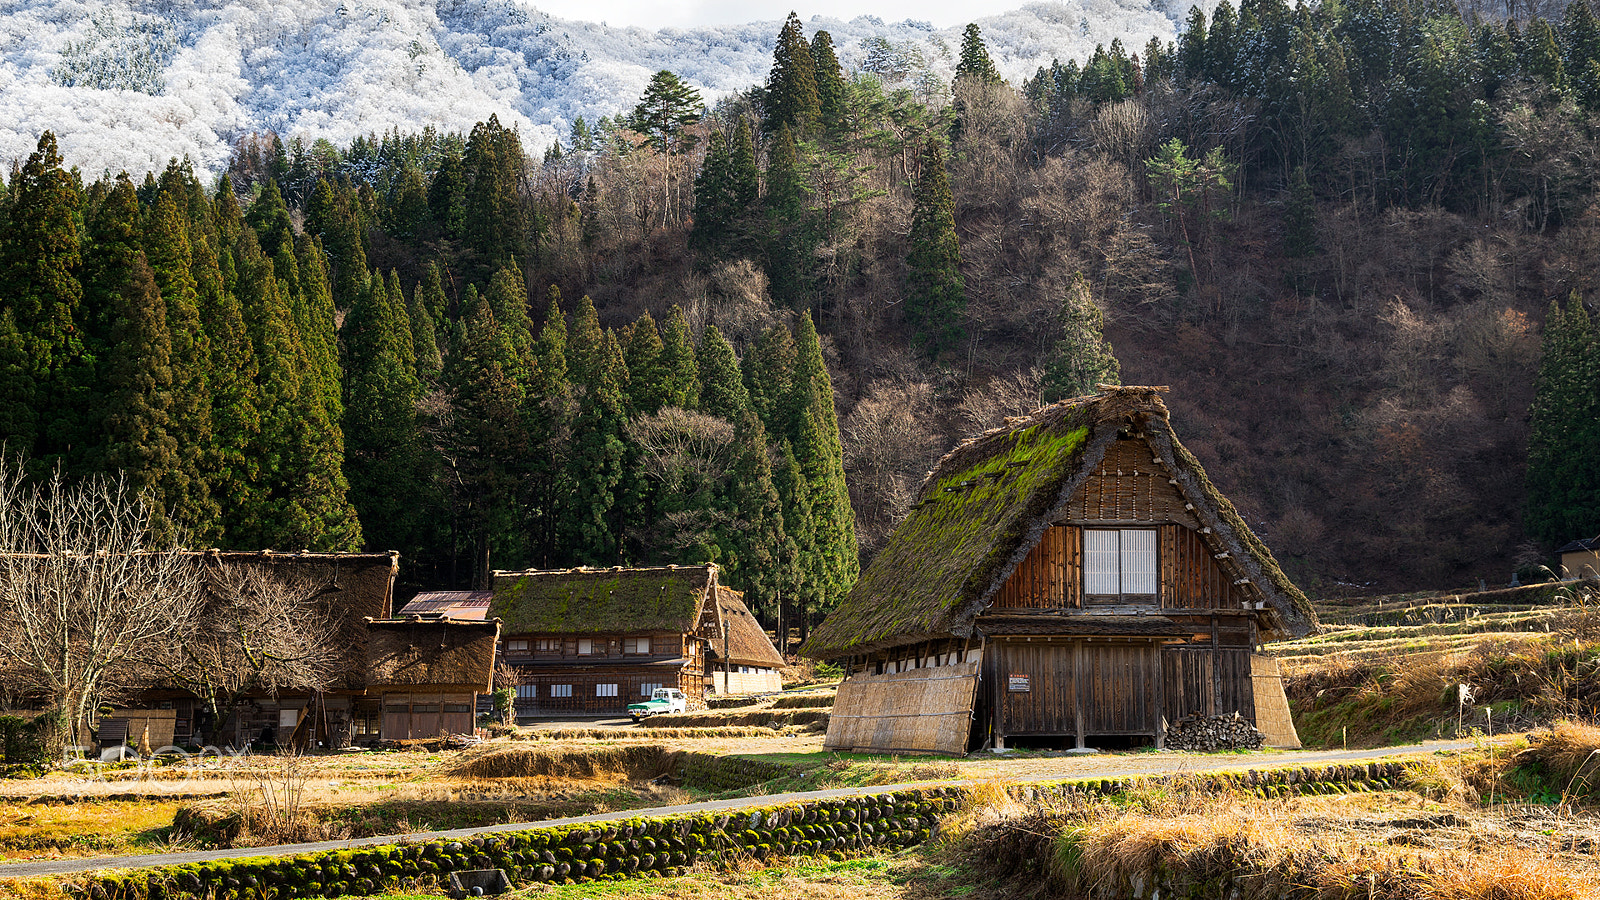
[[593, 601], [988, 502], [971, 514]]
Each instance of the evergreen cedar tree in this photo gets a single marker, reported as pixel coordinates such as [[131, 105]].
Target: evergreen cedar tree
[[791, 99], [1564, 436], [935, 290], [974, 62]]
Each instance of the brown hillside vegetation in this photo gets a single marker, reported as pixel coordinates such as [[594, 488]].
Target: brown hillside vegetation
[[1370, 425]]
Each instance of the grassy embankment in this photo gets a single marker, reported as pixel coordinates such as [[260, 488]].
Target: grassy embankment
[[1400, 670]]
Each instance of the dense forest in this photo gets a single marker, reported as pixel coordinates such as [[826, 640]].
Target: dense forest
[[1341, 234]]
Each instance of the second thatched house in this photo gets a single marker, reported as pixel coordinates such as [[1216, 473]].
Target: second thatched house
[[1070, 579], [588, 642]]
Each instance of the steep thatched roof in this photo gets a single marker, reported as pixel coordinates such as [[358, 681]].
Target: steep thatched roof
[[433, 653], [748, 644], [989, 501], [593, 601]]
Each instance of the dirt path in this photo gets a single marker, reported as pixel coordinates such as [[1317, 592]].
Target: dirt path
[[1081, 767]]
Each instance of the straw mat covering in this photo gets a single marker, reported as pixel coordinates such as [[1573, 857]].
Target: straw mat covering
[[990, 500], [435, 653]]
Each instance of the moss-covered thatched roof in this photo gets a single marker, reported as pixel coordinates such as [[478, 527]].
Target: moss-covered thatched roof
[[431, 653], [595, 601], [989, 501], [748, 643]]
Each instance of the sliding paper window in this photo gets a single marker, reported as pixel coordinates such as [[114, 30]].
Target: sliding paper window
[[1119, 562]]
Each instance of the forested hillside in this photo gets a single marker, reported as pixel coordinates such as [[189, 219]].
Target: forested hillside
[[129, 84], [1337, 233]]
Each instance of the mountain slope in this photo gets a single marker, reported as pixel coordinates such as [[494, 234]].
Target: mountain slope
[[129, 85]]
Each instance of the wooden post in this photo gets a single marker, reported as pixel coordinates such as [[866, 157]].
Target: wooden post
[[1077, 692], [1216, 682], [1159, 713]]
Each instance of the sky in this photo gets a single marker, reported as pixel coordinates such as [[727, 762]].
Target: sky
[[686, 13]]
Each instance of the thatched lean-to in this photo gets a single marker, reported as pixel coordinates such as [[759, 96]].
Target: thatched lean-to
[[747, 643], [599, 601], [740, 657], [435, 655], [1071, 575]]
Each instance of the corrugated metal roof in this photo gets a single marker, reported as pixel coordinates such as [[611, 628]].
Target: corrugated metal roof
[[449, 604]]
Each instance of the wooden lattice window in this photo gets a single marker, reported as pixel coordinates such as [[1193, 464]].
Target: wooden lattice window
[[1119, 562]]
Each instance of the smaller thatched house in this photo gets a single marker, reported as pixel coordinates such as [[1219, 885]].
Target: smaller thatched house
[[741, 657], [588, 642], [1071, 578], [427, 674], [1580, 559]]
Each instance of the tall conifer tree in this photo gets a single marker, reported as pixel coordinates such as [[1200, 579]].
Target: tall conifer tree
[[383, 446], [1564, 437], [486, 437], [820, 455], [186, 488], [935, 291], [45, 412], [722, 391], [681, 379], [791, 99]]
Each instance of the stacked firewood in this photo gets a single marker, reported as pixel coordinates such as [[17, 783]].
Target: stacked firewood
[[1204, 733]]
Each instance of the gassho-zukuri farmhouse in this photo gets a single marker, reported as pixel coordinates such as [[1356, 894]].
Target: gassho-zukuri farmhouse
[[1070, 579]]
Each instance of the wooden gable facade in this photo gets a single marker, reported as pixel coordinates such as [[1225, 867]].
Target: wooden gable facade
[[588, 642], [1110, 592]]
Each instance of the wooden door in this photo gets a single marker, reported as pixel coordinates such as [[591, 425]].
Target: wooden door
[[1121, 688], [1031, 685]]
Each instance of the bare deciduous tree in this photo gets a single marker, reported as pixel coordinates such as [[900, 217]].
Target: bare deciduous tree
[[85, 595], [262, 628]]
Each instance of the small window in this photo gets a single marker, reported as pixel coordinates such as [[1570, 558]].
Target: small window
[[288, 718], [585, 646], [605, 690], [527, 690], [546, 645], [516, 646], [561, 690], [424, 707], [1119, 562], [636, 645], [456, 708], [646, 690]]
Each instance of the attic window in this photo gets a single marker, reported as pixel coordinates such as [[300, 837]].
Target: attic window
[[1119, 562]]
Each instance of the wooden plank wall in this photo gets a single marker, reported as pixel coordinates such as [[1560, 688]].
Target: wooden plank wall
[[1129, 486], [1047, 578], [1201, 583], [1200, 680], [1050, 705], [926, 710], [1116, 685], [1118, 698]]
